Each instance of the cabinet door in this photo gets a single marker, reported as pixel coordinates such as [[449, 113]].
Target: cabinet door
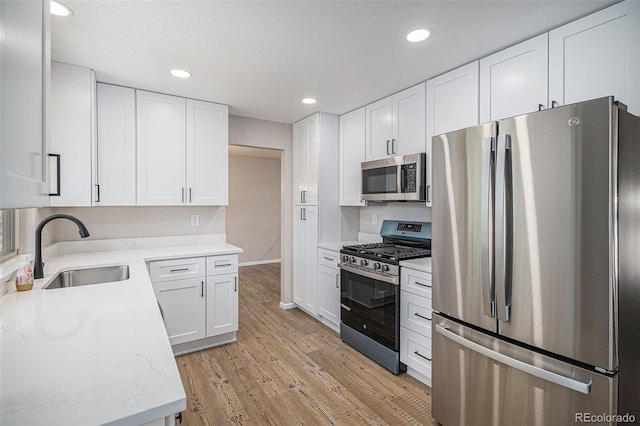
[[305, 257], [71, 133], [222, 304], [514, 81], [207, 153], [352, 150], [183, 308], [116, 147], [24, 77], [597, 56], [306, 143], [329, 293], [379, 129], [452, 103], [161, 149], [409, 121]]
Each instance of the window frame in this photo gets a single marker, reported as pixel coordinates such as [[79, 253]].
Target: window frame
[[8, 234]]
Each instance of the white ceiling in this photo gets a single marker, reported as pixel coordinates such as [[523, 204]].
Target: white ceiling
[[262, 57]]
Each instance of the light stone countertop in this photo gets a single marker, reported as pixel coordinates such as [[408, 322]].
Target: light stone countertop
[[94, 354], [422, 264], [337, 246]]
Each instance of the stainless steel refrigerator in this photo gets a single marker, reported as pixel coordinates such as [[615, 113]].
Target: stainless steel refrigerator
[[536, 269]]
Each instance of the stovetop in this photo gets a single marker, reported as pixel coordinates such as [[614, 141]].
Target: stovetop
[[386, 251]]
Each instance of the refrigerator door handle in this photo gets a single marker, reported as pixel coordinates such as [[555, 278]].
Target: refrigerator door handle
[[558, 379], [503, 228], [486, 217]]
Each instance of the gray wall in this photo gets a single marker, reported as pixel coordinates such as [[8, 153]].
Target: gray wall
[[253, 214]]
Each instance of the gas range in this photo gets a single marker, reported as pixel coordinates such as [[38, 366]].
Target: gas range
[[401, 241]]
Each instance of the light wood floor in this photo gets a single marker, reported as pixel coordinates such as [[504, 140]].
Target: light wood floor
[[287, 368]]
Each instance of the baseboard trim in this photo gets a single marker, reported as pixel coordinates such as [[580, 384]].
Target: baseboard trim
[[259, 262], [287, 306]]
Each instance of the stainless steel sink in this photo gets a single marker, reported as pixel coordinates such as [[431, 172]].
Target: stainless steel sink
[[88, 276]]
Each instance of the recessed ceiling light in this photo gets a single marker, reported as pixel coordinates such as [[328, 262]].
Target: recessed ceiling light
[[309, 101], [418, 35], [59, 9], [180, 73]]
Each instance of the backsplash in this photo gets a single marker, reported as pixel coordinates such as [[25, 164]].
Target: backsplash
[[414, 211]]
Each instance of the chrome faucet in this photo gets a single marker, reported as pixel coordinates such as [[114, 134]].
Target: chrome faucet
[[38, 265]]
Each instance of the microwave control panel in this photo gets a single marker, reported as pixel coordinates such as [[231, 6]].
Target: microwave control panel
[[409, 171]]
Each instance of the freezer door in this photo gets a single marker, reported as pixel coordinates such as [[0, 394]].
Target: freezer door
[[462, 225], [480, 380], [553, 274]]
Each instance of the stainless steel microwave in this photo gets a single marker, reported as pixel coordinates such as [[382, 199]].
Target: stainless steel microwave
[[401, 178]]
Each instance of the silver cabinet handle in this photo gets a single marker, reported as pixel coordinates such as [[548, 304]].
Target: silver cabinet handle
[[345, 307], [393, 146], [202, 288], [567, 382], [554, 104], [224, 265], [540, 107], [235, 284], [421, 356], [421, 316], [304, 214], [178, 270], [428, 193], [330, 259], [422, 284], [98, 192], [337, 280], [189, 194], [182, 194], [388, 142]]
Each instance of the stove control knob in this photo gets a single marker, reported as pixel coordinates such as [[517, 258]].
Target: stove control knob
[[384, 268], [345, 258], [352, 259], [376, 266], [364, 262]]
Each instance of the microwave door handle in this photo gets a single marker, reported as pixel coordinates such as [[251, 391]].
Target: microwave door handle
[[403, 179]]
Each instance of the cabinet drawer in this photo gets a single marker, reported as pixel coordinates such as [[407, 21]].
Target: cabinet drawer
[[328, 258], [176, 269], [415, 313], [415, 351], [416, 282], [226, 264]]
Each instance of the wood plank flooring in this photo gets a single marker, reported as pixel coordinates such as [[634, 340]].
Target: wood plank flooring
[[287, 368]]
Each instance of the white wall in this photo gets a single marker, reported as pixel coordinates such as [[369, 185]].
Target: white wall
[[410, 211], [266, 134], [253, 214]]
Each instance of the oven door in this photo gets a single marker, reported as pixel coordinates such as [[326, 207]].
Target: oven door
[[371, 306]]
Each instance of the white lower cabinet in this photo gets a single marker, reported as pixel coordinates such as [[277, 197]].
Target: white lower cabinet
[[182, 304], [415, 323], [329, 288], [222, 304], [198, 298], [305, 252]]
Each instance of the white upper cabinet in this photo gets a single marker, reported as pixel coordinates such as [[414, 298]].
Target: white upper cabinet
[[409, 121], [116, 146], [207, 153], [396, 125], [72, 134], [352, 148], [161, 149], [182, 151], [452, 103], [24, 79], [306, 157], [597, 56], [514, 81]]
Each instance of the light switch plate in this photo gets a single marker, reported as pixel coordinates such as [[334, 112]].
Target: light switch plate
[[195, 220]]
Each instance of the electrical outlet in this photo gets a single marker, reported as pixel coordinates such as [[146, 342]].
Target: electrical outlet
[[195, 220], [374, 219]]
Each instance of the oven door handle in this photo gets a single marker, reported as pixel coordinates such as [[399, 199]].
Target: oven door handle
[[385, 278]]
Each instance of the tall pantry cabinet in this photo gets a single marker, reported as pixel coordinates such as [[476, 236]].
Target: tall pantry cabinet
[[316, 211]]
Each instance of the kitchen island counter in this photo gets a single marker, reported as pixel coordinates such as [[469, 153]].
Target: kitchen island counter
[[93, 354]]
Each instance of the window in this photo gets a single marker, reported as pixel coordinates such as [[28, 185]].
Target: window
[[7, 233]]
